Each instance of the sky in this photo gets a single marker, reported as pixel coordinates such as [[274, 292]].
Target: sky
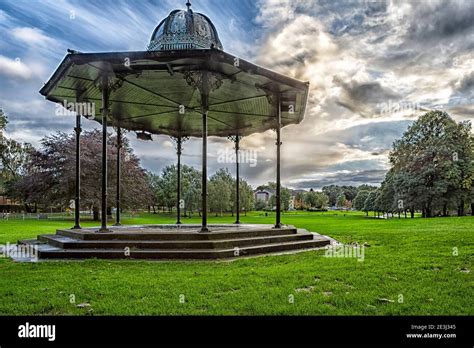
[[373, 68]]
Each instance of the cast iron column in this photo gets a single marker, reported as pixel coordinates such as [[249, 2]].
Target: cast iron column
[[237, 192], [119, 147], [205, 108], [178, 179], [278, 184], [105, 111], [204, 172], [77, 200]]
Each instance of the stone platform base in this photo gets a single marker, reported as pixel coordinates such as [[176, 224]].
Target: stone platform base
[[174, 242]]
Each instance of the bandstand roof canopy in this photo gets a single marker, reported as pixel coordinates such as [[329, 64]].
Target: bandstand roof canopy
[[164, 90], [150, 89]]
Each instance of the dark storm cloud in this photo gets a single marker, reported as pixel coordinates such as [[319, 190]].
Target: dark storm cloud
[[466, 85], [352, 178], [376, 137], [464, 112], [431, 35], [362, 98], [438, 20]]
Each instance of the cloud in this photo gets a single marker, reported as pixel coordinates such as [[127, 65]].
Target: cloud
[[363, 98], [371, 176], [33, 37], [437, 20], [466, 84], [15, 68]]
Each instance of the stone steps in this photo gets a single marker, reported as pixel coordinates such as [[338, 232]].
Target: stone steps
[[171, 242], [137, 234], [65, 242], [48, 252]]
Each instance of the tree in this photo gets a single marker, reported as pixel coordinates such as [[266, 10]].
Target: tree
[[321, 201], [169, 185], [285, 198], [220, 191], [14, 160], [341, 200], [332, 192], [432, 164], [164, 188], [260, 205], [246, 196], [3, 125], [300, 200], [310, 199], [350, 192], [386, 199], [156, 185], [359, 200], [370, 201], [314, 199], [365, 187], [191, 189], [51, 173]]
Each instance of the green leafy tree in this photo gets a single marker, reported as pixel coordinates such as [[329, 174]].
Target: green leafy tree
[[341, 200], [260, 205], [370, 203], [156, 185], [359, 200], [310, 199], [220, 191], [191, 189], [386, 200], [285, 198], [246, 196], [350, 192], [432, 164], [314, 199], [332, 191], [300, 200], [365, 187]]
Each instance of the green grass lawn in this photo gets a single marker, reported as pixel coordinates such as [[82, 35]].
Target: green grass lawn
[[409, 269]]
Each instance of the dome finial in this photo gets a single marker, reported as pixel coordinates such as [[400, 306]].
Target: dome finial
[[196, 32]]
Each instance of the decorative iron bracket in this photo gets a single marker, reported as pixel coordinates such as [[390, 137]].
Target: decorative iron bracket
[[194, 78], [178, 142]]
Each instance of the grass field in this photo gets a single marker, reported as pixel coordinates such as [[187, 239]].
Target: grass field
[[412, 267]]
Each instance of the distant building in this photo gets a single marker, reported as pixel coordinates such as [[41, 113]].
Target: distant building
[[263, 195], [6, 204]]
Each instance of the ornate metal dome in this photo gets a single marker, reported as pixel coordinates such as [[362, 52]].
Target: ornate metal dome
[[184, 30]]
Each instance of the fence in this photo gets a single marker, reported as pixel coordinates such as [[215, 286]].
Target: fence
[[56, 216]]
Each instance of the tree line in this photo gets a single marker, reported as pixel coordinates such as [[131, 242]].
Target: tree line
[[221, 191], [45, 177], [432, 171]]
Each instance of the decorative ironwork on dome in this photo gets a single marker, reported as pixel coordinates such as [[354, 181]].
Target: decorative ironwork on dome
[[184, 30]]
